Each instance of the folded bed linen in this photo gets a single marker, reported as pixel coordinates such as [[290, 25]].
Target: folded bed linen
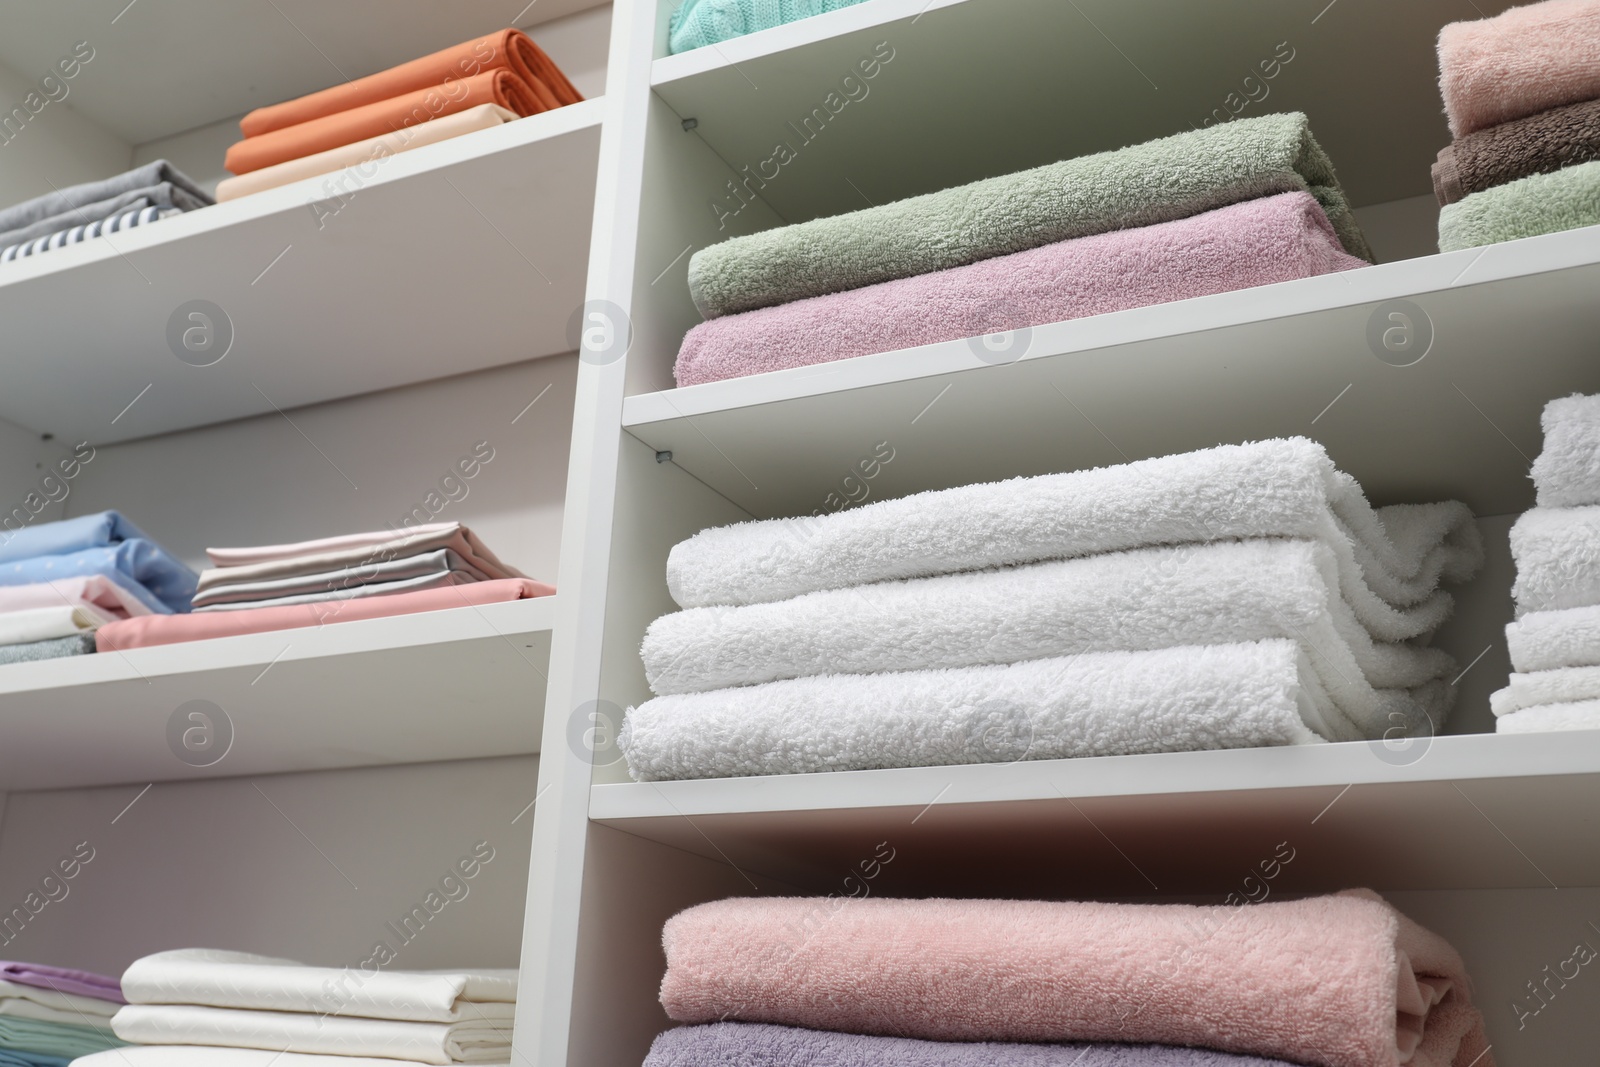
[[160, 581], [1390, 560], [1548, 718], [509, 49], [443, 580], [77, 234], [1537, 144], [1528, 207], [439, 567], [1557, 552], [1526, 60], [698, 23], [101, 199], [60, 647], [1171, 178], [102, 592], [49, 623], [357, 550], [201, 626], [68, 980], [744, 1044], [51, 1006], [67, 536], [217, 1056], [370, 152], [21, 1034], [1552, 640], [1096, 704], [1140, 600], [1528, 689], [1335, 981], [1566, 472], [1259, 242], [16, 1058]]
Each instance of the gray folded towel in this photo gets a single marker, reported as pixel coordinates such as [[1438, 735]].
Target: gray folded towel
[[55, 648], [157, 184]]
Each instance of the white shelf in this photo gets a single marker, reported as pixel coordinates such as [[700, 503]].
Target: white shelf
[[454, 684], [1475, 811], [452, 258], [1256, 363]]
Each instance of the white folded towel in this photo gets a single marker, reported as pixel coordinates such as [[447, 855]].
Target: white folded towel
[[1565, 685], [48, 1006], [46, 623], [216, 1056], [1557, 552], [1125, 601], [244, 980], [1582, 715], [1388, 560], [1567, 472], [1096, 704], [337, 1035], [1550, 640]]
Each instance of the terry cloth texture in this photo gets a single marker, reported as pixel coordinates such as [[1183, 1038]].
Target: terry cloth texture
[[1541, 203], [77, 234], [1096, 704], [213, 1056], [1546, 718], [1522, 61], [1557, 551], [698, 23], [1259, 242], [1162, 180], [1566, 685], [1551, 640], [1334, 981], [158, 182], [1566, 473], [77, 645], [744, 1044], [1537, 144]]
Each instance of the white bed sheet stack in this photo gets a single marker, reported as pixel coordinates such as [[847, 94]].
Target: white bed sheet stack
[[1238, 596]]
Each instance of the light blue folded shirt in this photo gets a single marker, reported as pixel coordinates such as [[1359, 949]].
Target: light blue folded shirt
[[698, 23], [103, 544]]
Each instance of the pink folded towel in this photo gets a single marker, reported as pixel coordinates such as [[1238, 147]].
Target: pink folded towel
[[1258, 242], [1522, 61], [1335, 981]]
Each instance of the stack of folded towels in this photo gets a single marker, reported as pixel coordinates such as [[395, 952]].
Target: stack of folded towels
[[61, 582], [1239, 596], [1555, 639], [698, 23], [1242, 204], [210, 1008], [79, 212], [334, 579], [1522, 92], [475, 85], [49, 1015], [1332, 981]]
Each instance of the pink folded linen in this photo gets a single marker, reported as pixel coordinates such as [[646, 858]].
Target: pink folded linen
[[1522, 61], [1258, 242], [94, 590], [172, 629], [1335, 981]]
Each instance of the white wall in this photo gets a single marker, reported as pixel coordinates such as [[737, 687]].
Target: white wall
[[57, 147]]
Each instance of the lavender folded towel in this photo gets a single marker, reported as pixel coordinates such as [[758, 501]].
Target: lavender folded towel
[[63, 980], [1538, 144], [742, 1044], [1258, 242]]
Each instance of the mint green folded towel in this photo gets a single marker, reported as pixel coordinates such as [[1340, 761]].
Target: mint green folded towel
[[1540, 203], [698, 23], [22, 1034], [1159, 181]]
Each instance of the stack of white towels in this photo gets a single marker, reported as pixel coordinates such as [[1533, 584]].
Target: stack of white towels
[[1239, 596], [233, 1009], [1555, 639]]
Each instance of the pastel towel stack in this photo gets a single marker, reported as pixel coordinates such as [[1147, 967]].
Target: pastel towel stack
[[1528, 207], [1538, 144], [48, 1015], [1091, 613], [699, 23], [1259, 242], [1555, 639], [1521, 62], [1334, 981]]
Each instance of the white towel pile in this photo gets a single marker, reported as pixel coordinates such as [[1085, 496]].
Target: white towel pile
[[233, 1009], [1555, 639], [1239, 596]]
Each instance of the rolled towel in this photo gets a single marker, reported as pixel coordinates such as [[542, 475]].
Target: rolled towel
[[1564, 685], [1389, 561], [1335, 981], [698, 23], [1537, 144], [1557, 552], [1162, 180], [1522, 61], [743, 1044], [1259, 242], [1125, 601], [1548, 718], [156, 184], [1096, 704], [1566, 472], [1528, 207], [1551, 640]]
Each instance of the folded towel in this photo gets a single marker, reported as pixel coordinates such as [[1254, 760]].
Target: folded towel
[[508, 49], [1259, 242], [1522, 61], [1546, 718], [103, 592], [143, 568], [476, 1041], [425, 570], [1541, 203], [77, 645], [216, 1056], [1096, 704], [102, 199], [1537, 144], [46, 1005], [1566, 473], [1390, 561], [698, 23], [49, 623], [1551, 640], [1126, 601], [1336, 981], [1564, 685], [1158, 181], [743, 1044], [1557, 552], [367, 549], [77, 234], [368, 153], [23, 1034]]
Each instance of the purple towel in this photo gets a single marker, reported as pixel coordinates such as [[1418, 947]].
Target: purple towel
[[741, 1044], [1274, 239], [63, 980]]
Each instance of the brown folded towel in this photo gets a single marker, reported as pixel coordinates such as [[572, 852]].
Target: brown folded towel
[[1538, 144]]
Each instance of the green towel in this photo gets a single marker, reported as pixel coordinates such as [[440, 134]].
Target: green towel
[[54, 1039], [697, 23], [1540, 203], [1158, 181]]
